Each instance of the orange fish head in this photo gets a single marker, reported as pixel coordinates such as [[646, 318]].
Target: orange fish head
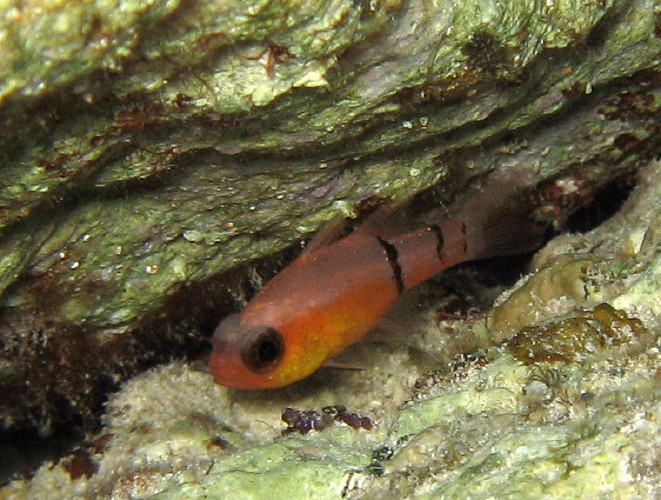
[[248, 357]]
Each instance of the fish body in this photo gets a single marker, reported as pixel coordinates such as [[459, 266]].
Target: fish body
[[330, 297]]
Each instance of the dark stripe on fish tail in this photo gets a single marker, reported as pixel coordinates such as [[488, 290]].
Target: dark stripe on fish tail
[[436, 229], [391, 254]]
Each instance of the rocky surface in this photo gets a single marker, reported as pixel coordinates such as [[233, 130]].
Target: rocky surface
[[566, 408], [151, 150]]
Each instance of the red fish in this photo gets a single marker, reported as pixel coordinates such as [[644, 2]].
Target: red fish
[[330, 297]]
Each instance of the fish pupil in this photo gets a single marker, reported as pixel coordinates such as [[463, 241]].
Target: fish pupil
[[264, 349]]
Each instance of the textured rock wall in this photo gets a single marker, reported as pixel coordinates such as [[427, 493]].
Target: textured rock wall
[[150, 148]]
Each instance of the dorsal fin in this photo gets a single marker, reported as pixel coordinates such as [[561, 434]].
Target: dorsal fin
[[390, 219], [332, 231]]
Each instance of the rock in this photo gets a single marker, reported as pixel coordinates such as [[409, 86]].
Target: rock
[[150, 150]]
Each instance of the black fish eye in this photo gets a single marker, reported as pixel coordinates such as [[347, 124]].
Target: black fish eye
[[263, 349]]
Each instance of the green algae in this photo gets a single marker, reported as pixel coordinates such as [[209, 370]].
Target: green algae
[[576, 337], [565, 277], [285, 475], [645, 292], [280, 470], [150, 148], [495, 393], [85, 248], [210, 106], [581, 426]]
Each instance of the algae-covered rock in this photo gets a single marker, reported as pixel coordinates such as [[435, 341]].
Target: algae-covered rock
[[576, 337], [149, 149], [578, 418], [564, 279]]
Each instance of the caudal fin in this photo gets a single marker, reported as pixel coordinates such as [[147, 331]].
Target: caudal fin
[[500, 222]]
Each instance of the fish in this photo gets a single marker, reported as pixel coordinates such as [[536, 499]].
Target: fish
[[335, 292]]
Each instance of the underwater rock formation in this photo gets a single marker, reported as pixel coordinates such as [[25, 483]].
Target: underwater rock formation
[[152, 149]]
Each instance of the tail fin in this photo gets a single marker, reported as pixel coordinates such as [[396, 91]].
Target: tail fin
[[499, 221]]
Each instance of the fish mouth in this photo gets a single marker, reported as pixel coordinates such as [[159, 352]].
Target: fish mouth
[[221, 369], [229, 371]]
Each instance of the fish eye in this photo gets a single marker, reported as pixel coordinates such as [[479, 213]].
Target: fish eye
[[263, 348]]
